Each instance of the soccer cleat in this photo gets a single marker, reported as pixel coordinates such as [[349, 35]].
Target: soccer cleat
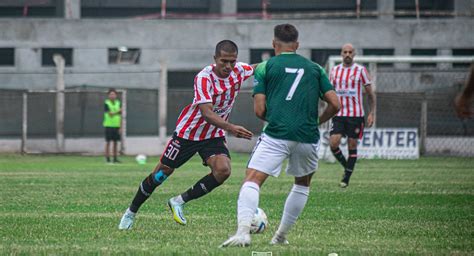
[[237, 241], [116, 161], [127, 220], [177, 211], [279, 240], [345, 180]]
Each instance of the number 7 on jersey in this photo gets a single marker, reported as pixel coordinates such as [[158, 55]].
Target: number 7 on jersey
[[299, 72]]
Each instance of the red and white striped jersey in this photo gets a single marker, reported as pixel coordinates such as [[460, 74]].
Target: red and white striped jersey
[[209, 88], [348, 83]]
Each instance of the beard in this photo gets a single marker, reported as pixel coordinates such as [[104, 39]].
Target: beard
[[347, 60]]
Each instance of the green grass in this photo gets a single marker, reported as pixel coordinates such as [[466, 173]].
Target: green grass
[[72, 205]]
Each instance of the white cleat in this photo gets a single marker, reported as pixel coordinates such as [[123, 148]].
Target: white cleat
[[177, 211], [279, 240], [127, 220], [237, 241]]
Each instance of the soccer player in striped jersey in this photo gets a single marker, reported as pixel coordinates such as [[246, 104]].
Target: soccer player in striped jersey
[[286, 95], [201, 128], [349, 79]]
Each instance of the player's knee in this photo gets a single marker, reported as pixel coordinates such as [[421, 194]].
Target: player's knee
[[334, 145], [303, 181], [352, 144], [159, 177], [222, 173], [161, 173]]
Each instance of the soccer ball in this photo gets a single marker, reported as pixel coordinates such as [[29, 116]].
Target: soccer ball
[[259, 222], [141, 159]]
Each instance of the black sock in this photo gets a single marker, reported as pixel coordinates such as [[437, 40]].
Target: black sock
[[146, 188], [351, 161], [108, 159], [202, 187], [339, 156]]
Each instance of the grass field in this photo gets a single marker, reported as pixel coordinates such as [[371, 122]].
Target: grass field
[[72, 205]]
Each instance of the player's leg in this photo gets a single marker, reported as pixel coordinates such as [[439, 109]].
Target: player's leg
[[294, 205], [215, 155], [146, 188], [302, 164], [266, 159], [107, 145], [336, 132], [116, 139], [115, 152], [355, 132], [247, 204], [107, 150], [176, 153]]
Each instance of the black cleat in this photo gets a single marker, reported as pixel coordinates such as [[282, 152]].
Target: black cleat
[[345, 179]]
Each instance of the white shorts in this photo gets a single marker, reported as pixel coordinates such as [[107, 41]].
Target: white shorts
[[269, 153]]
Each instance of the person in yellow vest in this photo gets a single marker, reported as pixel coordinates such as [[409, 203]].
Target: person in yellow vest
[[112, 123]]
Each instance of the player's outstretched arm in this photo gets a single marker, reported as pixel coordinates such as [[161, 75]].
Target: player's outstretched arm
[[333, 106], [214, 119]]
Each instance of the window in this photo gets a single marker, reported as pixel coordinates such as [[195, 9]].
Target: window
[[321, 56], [181, 79], [423, 52], [259, 55], [7, 56], [45, 8], [124, 55], [125, 8], [462, 52], [302, 6], [407, 8], [48, 53], [378, 52]]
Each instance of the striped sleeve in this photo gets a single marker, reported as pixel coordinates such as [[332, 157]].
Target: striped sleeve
[[331, 75], [247, 70], [202, 90], [364, 77]]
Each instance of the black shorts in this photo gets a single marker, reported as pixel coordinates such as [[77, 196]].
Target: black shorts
[[112, 134], [352, 127], [178, 150]]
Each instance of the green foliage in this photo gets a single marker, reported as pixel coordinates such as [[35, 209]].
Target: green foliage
[[72, 205]]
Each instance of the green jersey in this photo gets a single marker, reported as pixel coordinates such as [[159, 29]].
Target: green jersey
[[292, 85], [113, 121]]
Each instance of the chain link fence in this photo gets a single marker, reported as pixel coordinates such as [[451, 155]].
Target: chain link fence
[[84, 110]]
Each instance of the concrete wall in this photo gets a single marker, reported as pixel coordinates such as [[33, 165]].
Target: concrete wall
[[440, 146], [189, 44]]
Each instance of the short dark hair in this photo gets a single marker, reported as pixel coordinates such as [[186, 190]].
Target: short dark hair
[[112, 90], [286, 33], [226, 46]]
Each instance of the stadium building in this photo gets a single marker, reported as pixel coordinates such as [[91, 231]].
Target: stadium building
[[145, 47]]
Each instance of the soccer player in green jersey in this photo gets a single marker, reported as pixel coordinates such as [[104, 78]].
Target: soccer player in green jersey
[[286, 95]]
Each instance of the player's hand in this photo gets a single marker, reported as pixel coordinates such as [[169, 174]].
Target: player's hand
[[370, 120], [240, 132]]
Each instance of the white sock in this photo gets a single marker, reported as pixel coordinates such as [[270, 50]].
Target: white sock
[[294, 205], [246, 206], [178, 199]]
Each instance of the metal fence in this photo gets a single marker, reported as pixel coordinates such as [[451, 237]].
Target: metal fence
[[30, 114], [406, 98]]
